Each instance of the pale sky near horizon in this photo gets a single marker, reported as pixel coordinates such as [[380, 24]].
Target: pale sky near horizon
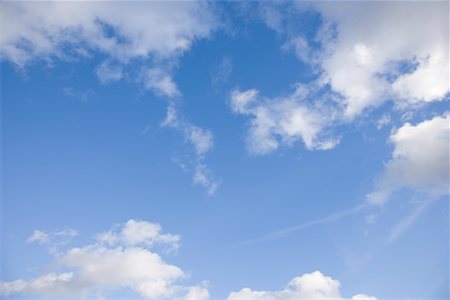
[[224, 150]]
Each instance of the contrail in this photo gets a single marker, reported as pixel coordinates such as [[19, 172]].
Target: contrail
[[334, 217]]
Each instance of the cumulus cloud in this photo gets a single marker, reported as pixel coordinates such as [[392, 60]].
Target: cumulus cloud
[[363, 54], [420, 160], [308, 286], [123, 258], [428, 82], [196, 293], [120, 30], [284, 120], [375, 51]]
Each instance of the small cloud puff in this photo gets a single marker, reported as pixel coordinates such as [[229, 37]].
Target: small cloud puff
[[284, 120], [313, 285]]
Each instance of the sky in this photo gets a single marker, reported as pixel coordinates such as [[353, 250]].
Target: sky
[[224, 150]]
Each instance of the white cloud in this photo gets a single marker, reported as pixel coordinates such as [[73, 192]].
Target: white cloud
[[139, 233], [273, 18], [366, 44], [196, 293], [53, 240], [38, 236], [300, 46], [202, 141], [241, 100], [363, 54], [363, 297], [284, 120], [150, 33], [420, 160], [48, 285], [308, 286], [203, 177], [172, 119], [383, 121], [161, 83], [428, 82], [124, 260], [123, 31]]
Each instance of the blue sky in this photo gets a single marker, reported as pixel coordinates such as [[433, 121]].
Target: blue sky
[[244, 150]]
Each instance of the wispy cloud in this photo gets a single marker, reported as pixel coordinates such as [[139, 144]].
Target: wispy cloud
[[406, 222], [282, 233], [160, 82], [201, 141], [77, 94], [108, 72], [53, 240], [146, 36], [222, 72]]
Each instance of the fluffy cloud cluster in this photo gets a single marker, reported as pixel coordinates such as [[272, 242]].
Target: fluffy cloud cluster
[[420, 159], [121, 259], [308, 286], [363, 54], [120, 30], [152, 33], [376, 51], [148, 32], [284, 120]]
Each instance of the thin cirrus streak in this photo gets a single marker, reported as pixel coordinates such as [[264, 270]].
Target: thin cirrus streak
[[282, 233], [407, 221]]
